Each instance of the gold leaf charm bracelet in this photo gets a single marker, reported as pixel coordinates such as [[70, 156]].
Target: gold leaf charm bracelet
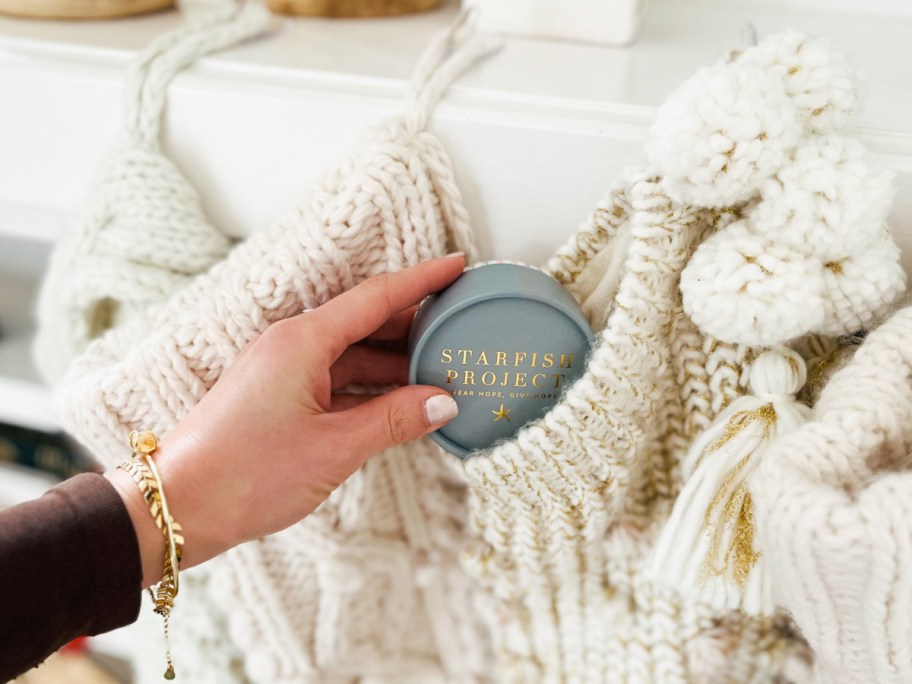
[[145, 473]]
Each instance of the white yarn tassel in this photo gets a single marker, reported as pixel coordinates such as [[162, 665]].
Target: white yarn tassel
[[707, 546]]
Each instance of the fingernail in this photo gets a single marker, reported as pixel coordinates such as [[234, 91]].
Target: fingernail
[[453, 255], [440, 408]]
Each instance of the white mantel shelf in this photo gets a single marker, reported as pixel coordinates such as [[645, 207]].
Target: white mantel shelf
[[537, 132]]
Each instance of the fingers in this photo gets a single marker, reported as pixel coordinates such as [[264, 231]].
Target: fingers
[[369, 365], [389, 419], [343, 402], [396, 327], [360, 311]]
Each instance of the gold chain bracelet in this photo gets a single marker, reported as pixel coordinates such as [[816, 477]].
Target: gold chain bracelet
[[145, 473]]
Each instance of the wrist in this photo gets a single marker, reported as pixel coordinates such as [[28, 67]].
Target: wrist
[[149, 539], [190, 480], [193, 495]]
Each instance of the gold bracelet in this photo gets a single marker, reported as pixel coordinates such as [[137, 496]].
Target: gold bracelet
[[144, 471]]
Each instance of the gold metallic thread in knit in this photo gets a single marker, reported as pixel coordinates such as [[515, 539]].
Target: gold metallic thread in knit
[[737, 508], [793, 363], [819, 371], [741, 419], [739, 511]]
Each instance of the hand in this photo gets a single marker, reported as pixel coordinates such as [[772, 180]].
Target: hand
[[274, 436]]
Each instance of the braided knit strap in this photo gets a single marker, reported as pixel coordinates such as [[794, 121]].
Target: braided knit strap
[[833, 508], [149, 75]]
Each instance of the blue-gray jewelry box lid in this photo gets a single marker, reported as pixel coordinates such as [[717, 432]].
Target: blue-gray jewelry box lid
[[506, 340]]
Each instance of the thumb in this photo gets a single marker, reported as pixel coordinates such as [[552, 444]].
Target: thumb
[[398, 416]]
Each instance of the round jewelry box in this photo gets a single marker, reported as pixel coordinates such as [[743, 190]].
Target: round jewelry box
[[505, 339]]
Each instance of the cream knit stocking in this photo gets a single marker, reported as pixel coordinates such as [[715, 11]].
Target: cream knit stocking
[[392, 205], [555, 528], [566, 513], [121, 257]]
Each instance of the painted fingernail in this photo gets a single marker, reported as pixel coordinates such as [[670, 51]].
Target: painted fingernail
[[453, 255], [440, 408]]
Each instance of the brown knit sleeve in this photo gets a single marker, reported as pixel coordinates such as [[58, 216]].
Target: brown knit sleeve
[[69, 566]]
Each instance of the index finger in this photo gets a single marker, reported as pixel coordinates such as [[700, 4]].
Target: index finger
[[356, 313]]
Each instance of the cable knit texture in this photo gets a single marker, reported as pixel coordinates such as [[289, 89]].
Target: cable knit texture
[[121, 257], [528, 562]]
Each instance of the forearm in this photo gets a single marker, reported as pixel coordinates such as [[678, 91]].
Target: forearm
[[74, 562], [69, 565]]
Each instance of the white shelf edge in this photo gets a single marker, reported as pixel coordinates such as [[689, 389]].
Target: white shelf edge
[[28, 222], [27, 404], [874, 8], [19, 484]]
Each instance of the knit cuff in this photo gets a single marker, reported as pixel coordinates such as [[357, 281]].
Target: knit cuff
[[584, 451], [603, 461], [111, 548]]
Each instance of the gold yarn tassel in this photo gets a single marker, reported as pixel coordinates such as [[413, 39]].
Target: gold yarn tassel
[[708, 546], [735, 503]]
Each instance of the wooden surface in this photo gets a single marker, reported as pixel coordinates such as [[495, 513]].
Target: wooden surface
[[349, 8], [64, 668], [81, 9]]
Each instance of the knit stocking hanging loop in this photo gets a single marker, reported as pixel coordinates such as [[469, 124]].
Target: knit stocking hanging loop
[[120, 258], [449, 54], [147, 79]]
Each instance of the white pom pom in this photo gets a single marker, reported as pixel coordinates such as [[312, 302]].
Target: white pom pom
[[817, 77], [861, 286], [721, 134], [742, 288], [829, 200]]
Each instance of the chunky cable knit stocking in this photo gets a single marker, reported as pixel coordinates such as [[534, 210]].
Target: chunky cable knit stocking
[[392, 205], [566, 513], [143, 232], [681, 273]]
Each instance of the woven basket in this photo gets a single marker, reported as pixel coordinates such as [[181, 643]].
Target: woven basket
[[80, 9]]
